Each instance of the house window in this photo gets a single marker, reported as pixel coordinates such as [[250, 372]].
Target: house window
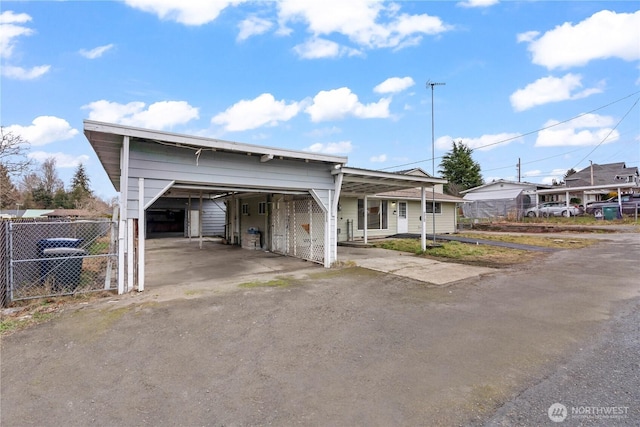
[[262, 208], [430, 207], [377, 214], [402, 210], [245, 209]]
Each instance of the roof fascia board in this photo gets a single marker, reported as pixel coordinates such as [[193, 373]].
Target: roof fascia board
[[351, 174], [197, 141]]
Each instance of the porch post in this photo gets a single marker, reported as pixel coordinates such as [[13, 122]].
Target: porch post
[[423, 219]]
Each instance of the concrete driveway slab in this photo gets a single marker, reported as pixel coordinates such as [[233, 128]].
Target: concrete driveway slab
[[411, 266]]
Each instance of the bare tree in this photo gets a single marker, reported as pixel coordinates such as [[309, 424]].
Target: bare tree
[[13, 153], [51, 182]]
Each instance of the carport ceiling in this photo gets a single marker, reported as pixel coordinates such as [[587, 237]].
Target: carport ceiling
[[358, 182]]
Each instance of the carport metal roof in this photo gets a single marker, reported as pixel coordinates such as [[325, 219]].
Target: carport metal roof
[[358, 182], [107, 140]]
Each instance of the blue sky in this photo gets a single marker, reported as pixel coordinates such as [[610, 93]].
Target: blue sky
[[554, 83]]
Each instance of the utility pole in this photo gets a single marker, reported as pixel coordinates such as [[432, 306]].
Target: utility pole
[[518, 166], [433, 159]]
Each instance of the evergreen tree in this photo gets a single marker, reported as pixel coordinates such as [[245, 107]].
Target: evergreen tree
[[459, 168], [8, 192], [80, 192]]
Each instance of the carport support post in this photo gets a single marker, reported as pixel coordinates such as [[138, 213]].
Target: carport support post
[[423, 219], [130, 254], [141, 234], [366, 219], [200, 221], [122, 228]]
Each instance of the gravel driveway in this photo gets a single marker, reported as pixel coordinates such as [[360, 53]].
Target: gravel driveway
[[339, 347]]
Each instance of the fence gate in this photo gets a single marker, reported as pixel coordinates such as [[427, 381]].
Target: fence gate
[[47, 258], [298, 229]]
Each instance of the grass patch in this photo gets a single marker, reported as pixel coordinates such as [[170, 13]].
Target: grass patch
[[547, 242], [483, 255], [275, 283]]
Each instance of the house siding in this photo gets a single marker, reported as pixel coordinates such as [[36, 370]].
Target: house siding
[[445, 222], [161, 164]]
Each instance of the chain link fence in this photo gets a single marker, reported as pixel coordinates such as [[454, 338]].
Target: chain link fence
[[44, 258]]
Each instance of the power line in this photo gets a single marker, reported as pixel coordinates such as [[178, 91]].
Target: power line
[[610, 132], [532, 132]]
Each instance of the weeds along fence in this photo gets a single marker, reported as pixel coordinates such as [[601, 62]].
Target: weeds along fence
[[41, 258]]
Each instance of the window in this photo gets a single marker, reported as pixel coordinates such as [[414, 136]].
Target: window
[[402, 209], [245, 209], [377, 214], [430, 207], [262, 208]]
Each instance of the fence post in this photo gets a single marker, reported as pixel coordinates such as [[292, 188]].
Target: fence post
[[4, 273]]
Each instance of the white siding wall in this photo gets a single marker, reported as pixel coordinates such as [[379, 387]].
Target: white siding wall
[[445, 221]]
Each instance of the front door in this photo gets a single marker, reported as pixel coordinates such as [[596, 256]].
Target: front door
[[403, 221]]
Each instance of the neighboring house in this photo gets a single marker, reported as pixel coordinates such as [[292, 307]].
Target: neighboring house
[[69, 214], [610, 173], [36, 213], [500, 198], [601, 176], [397, 212]]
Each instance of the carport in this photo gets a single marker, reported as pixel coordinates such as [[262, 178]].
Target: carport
[[298, 191]]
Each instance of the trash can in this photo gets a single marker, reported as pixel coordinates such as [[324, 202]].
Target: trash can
[[64, 266], [611, 212], [56, 242]]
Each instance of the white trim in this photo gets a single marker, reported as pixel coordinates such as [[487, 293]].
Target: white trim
[[157, 196], [122, 227], [216, 144], [142, 223]]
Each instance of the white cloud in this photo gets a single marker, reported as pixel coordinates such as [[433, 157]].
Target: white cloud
[[605, 34], [550, 89], [478, 3], [394, 85], [318, 133], [191, 12], [361, 21], [44, 130], [10, 30], [378, 159], [555, 175], [339, 103], [482, 143], [527, 37], [253, 26], [261, 111], [96, 52], [63, 160], [316, 48], [586, 130], [159, 115], [342, 147], [19, 73]]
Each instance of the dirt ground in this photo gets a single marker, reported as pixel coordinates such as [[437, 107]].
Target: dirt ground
[[332, 347]]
